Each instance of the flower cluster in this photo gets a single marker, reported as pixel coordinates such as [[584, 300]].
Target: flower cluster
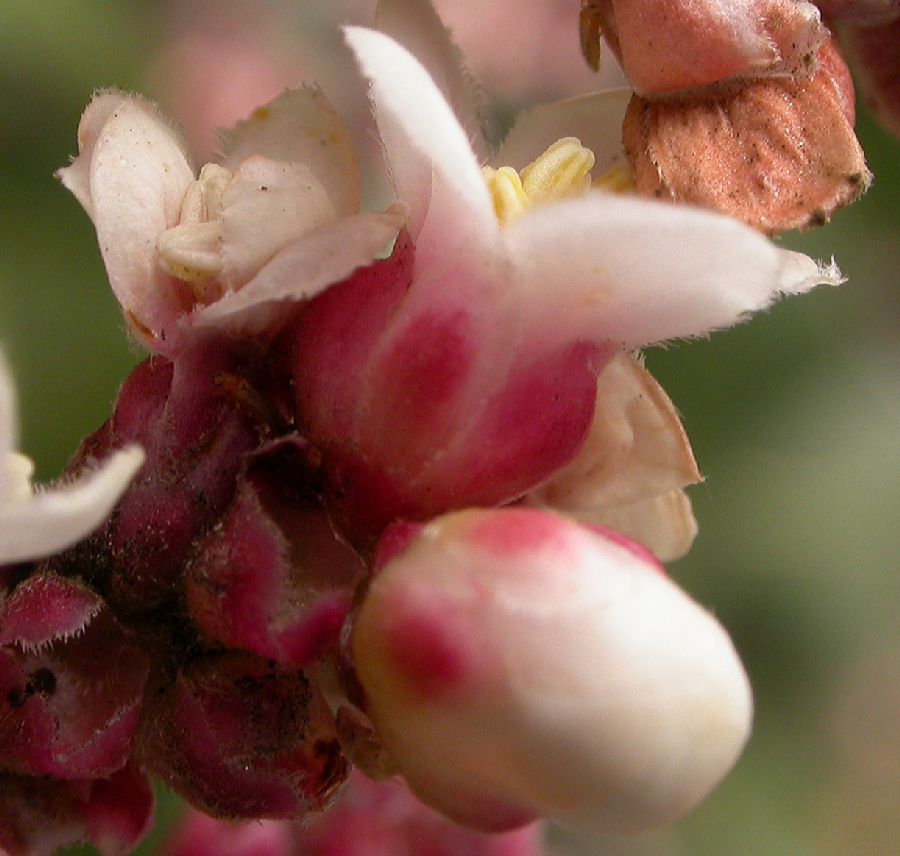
[[392, 488]]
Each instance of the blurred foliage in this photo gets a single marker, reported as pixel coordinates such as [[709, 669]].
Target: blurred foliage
[[794, 419]]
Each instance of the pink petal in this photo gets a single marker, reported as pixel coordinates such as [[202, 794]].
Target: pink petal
[[637, 272], [301, 127], [433, 167]]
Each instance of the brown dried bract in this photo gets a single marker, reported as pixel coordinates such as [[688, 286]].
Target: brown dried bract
[[777, 154]]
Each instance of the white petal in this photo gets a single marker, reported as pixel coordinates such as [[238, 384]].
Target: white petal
[[636, 449], [319, 259], [596, 120], [417, 26], [638, 272], [54, 519], [77, 176], [9, 426], [664, 524], [434, 170], [138, 178], [301, 127], [268, 205]]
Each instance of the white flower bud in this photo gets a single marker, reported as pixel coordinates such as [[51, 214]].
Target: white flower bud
[[518, 664]]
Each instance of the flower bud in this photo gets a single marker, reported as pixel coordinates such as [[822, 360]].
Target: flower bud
[[240, 738], [518, 665], [71, 682]]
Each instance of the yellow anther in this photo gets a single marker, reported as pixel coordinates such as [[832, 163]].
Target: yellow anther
[[618, 179], [507, 193], [561, 171]]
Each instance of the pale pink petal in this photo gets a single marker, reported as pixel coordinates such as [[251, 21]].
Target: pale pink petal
[[56, 518], [418, 27], [77, 176], [138, 177], [301, 127], [664, 524], [637, 447], [324, 256], [266, 206], [596, 120], [434, 170], [565, 674], [637, 272]]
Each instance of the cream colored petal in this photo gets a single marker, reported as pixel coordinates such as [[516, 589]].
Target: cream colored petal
[[301, 127], [664, 524], [77, 176], [596, 120], [138, 177], [417, 26], [54, 519], [636, 449], [319, 259], [268, 205]]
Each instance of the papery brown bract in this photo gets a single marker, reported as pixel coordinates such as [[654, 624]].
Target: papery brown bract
[[776, 154], [71, 682], [273, 577], [241, 738]]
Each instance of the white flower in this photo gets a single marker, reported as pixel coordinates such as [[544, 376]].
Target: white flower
[[38, 523], [275, 220]]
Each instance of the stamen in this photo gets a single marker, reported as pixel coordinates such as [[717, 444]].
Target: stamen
[[507, 193], [561, 171], [618, 179], [191, 250]]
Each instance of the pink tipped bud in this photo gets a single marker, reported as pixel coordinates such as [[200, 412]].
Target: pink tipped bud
[[565, 674], [273, 578], [240, 738], [71, 682]]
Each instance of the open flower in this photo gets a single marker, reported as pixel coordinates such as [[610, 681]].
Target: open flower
[[34, 524], [276, 219], [463, 370]]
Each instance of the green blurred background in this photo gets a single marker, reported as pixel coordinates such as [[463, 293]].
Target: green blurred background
[[794, 419]]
